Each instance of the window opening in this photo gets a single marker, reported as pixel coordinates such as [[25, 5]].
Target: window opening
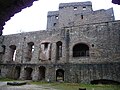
[[84, 8], [80, 50], [33, 48], [92, 45], [56, 17], [54, 24], [60, 75], [12, 52], [45, 51], [75, 8], [58, 50], [4, 47], [14, 55], [30, 51], [45, 46], [42, 73], [81, 16]]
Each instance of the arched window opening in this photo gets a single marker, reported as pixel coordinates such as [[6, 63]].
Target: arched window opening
[[30, 50], [80, 50], [12, 53], [42, 70], [60, 75], [58, 50]]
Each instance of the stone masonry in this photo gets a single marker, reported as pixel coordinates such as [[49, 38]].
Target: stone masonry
[[79, 45]]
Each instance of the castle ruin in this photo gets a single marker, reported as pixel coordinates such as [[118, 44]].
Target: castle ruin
[[79, 45]]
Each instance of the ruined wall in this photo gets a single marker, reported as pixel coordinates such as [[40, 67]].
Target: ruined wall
[[79, 13], [104, 51], [38, 38], [44, 54], [85, 73], [102, 39]]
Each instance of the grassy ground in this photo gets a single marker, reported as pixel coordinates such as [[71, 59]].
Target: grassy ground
[[75, 86], [5, 79], [71, 86]]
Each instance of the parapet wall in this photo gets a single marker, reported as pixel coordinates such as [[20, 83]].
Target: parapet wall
[[62, 5]]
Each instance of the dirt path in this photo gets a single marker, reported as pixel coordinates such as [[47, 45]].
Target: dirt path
[[4, 86]]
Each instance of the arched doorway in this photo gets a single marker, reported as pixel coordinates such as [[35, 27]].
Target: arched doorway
[[60, 75], [42, 70], [80, 50], [17, 72], [28, 73]]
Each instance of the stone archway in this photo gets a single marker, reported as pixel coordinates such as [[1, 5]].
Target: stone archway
[[17, 72], [42, 70], [28, 73], [60, 75]]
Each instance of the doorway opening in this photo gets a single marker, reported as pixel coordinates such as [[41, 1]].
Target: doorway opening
[[60, 75], [42, 70]]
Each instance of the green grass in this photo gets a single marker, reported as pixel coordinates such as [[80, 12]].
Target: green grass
[[75, 86], [71, 86], [6, 79]]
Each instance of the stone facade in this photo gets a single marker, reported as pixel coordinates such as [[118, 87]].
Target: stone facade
[[80, 45]]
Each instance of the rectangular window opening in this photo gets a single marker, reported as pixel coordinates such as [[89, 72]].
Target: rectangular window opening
[[84, 8], [33, 48], [14, 55], [54, 24], [56, 17], [45, 46], [75, 8], [81, 16]]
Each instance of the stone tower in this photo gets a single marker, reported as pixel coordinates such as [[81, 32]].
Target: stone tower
[[77, 13]]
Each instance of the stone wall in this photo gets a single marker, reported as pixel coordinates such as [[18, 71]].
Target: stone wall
[[99, 41], [79, 13]]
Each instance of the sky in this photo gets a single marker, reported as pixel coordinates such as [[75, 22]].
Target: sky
[[34, 18]]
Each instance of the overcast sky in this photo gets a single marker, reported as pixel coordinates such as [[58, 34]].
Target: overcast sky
[[34, 18]]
